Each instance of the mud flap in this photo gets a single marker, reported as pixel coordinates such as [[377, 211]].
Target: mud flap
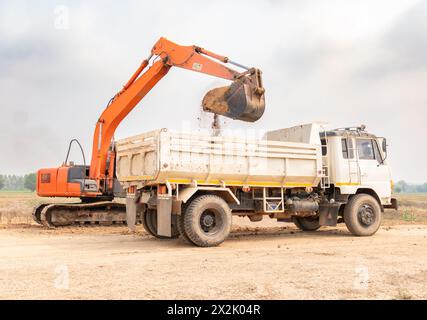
[[131, 208], [328, 213], [164, 216]]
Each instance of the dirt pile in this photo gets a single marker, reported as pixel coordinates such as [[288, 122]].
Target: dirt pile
[[215, 101]]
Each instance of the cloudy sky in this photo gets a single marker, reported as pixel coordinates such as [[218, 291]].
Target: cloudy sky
[[344, 62]]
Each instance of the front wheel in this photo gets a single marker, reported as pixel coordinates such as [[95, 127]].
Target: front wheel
[[362, 215], [207, 221]]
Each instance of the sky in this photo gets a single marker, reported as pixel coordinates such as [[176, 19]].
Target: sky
[[343, 62]]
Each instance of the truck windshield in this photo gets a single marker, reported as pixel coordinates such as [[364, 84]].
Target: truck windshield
[[365, 149], [377, 153]]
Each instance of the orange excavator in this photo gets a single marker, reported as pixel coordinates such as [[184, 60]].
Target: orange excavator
[[96, 185]]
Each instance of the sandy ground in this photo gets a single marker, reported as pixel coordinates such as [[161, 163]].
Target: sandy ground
[[265, 260]]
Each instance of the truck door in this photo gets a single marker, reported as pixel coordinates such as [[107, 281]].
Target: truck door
[[351, 166], [373, 173]]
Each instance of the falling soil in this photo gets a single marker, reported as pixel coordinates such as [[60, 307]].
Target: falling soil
[[216, 126], [215, 102]]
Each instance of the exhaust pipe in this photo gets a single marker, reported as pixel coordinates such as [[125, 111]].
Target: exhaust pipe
[[243, 100]]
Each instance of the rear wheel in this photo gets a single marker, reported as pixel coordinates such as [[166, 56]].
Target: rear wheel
[[149, 221], [180, 227], [362, 215], [207, 221], [145, 223], [307, 223]]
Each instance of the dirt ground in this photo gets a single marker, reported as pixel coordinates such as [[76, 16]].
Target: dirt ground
[[264, 260]]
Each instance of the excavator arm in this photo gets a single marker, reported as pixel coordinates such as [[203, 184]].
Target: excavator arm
[[245, 98]]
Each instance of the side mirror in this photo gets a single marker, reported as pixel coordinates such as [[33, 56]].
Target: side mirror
[[384, 145]]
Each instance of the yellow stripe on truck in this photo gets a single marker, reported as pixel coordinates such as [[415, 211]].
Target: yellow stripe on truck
[[242, 183], [136, 178], [347, 184]]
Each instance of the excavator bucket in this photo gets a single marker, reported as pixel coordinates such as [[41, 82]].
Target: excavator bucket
[[242, 100]]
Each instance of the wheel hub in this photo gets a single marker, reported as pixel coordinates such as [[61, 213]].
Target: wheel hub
[[366, 214], [207, 221]]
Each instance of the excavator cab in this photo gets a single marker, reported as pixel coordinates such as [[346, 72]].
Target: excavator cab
[[243, 100]]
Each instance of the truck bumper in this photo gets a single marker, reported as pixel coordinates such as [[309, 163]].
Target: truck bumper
[[393, 205]]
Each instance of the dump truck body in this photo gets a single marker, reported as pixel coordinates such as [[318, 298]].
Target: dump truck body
[[163, 156]]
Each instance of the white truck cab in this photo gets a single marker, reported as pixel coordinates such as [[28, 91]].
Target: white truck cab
[[356, 162]]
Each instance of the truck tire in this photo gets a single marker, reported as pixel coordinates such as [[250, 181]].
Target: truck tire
[[149, 221], [146, 225], [207, 221], [362, 215], [307, 223], [180, 227]]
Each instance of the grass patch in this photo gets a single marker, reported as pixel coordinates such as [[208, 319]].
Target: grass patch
[[412, 209], [24, 191], [408, 215]]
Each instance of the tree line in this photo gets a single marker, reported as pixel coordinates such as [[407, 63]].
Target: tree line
[[403, 186], [12, 182]]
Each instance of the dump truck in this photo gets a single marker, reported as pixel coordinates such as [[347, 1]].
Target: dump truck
[[190, 185]]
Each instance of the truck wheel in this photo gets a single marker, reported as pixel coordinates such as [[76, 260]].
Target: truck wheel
[[362, 215], [180, 222], [307, 223], [147, 226], [180, 227], [207, 221], [149, 221]]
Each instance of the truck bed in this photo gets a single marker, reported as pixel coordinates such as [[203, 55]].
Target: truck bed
[[159, 156]]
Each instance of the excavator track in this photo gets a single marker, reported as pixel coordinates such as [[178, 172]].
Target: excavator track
[[66, 214], [37, 212]]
